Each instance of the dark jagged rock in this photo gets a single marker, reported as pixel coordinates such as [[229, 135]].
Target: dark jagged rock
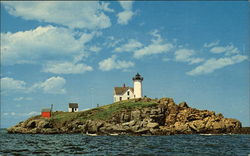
[[162, 117]]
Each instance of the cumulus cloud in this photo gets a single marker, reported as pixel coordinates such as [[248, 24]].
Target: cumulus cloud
[[208, 45], [129, 47], [157, 46], [186, 55], [95, 49], [53, 85], [105, 7], [11, 85], [125, 16], [113, 63], [228, 50], [42, 43], [214, 64], [66, 68], [111, 41], [89, 14], [23, 99], [20, 114]]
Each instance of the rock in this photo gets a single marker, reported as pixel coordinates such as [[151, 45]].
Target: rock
[[135, 128], [145, 99], [197, 125], [183, 105], [181, 127], [136, 115], [130, 124], [162, 118], [153, 125], [94, 126], [218, 125], [142, 131], [31, 124], [44, 124]]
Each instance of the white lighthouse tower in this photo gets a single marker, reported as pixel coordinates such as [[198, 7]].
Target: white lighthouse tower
[[138, 85]]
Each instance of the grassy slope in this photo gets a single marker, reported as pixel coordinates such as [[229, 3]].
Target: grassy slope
[[99, 113]]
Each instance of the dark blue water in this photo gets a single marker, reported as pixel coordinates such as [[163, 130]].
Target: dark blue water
[[73, 144]]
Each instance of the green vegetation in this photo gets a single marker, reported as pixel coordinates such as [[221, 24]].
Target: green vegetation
[[99, 113]]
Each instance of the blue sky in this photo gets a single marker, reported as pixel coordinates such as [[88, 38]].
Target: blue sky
[[56, 53]]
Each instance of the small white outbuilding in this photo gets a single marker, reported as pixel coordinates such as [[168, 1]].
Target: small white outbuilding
[[73, 107]]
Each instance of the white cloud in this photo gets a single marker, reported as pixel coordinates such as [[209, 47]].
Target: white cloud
[[66, 68], [53, 85], [111, 42], [156, 47], [125, 16], [94, 48], [72, 14], [21, 114], [23, 99], [213, 64], [129, 47], [165, 59], [126, 5], [157, 37], [42, 43], [9, 84], [208, 45], [33, 113], [228, 50], [153, 49], [112, 63], [186, 55], [105, 7]]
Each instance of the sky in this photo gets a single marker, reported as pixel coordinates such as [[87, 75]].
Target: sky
[[62, 52]]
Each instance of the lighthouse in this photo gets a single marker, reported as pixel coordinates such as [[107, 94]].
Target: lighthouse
[[138, 85]]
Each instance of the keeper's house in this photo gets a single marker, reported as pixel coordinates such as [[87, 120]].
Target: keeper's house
[[126, 93]]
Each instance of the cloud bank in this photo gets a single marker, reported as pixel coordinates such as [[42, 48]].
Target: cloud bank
[[112, 63], [78, 14]]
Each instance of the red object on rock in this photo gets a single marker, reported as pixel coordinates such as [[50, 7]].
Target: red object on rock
[[46, 113]]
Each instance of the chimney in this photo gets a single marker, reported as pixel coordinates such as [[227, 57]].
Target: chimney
[[124, 85]]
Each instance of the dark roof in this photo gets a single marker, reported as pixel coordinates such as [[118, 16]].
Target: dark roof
[[122, 90], [46, 110], [137, 77], [73, 105]]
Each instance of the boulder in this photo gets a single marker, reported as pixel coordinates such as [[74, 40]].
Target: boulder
[[130, 123], [44, 124], [183, 105], [135, 115], [31, 124], [153, 125], [94, 126], [197, 125], [181, 127]]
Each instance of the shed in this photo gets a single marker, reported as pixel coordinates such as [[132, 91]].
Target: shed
[[73, 107], [46, 112]]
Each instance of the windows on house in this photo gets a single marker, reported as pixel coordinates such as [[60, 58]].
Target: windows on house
[[128, 98], [128, 92], [120, 98]]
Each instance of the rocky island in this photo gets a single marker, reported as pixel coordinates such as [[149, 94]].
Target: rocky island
[[142, 116]]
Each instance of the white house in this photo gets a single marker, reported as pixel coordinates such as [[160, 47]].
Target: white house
[[126, 93], [73, 107]]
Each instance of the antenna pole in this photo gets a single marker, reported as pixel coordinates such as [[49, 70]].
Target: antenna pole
[[51, 109]]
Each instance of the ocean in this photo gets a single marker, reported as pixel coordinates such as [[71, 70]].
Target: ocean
[[79, 144]]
